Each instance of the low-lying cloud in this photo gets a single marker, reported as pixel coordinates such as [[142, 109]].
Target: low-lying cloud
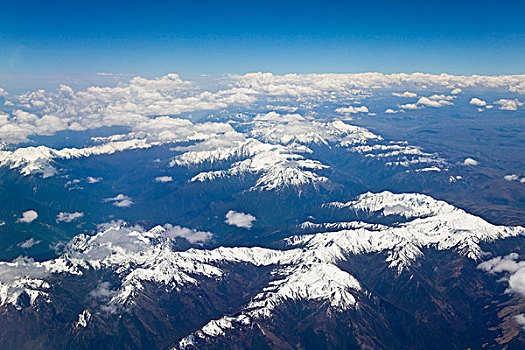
[[509, 105], [28, 217], [29, 243], [68, 217], [477, 102], [242, 220], [470, 161], [513, 269], [404, 94], [191, 235], [120, 200], [163, 179], [352, 110]]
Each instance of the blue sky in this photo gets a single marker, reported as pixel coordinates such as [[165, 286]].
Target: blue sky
[[50, 38]]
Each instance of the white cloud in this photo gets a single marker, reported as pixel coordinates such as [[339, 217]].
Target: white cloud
[[470, 161], [510, 265], [132, 104], [93, 180], [477, 102], [511, 177], [240, 219], [434, 101], [409, 106], [118, 197], [128, 104], [28, 217], [29, 243], [509, 105], [103, 292], [514, 177], [456, 91], [163, 179], [352, 110], [317, 84], [520, 319], [120, 200], [441, 97], [68, 217], [123, 203], [404, 94], [191, 235], [390, 111]]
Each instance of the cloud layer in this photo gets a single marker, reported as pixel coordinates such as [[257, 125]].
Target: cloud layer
[[132, 104]]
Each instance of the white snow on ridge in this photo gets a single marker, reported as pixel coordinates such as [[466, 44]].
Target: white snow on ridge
[[314, 274], [277, 166], [274, 147], [39, 159], [307, 271], [408, 205], [278, 151], [288, 129], [239, 149]]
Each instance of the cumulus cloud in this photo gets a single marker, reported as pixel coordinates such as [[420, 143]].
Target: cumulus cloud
[[352, 110], [29, 243], [509, 105], [514, 177], [123, 203], [390, 111], [68, 217], [404, 94], [120, 200], [456, 91], [441, 97], [512, 267], [28, 217], [133, 104], [317, 84], [240, 219], [477, 102], [128, 104], [434, 101], [93, 180], [470, 161], [511, 177], [163, 179], [409, 106], [191, 235]]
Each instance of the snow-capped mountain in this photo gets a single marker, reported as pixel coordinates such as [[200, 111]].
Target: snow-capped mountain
[[277, 166], [274, 149], [307, 211], [39, 160], [308, 268]]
